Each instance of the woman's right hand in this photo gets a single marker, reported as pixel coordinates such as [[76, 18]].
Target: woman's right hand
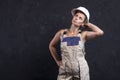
[[59, 63]]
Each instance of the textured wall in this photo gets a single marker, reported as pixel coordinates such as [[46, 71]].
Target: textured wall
[[27, 26]]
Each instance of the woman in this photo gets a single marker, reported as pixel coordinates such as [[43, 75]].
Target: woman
[[73, 65]]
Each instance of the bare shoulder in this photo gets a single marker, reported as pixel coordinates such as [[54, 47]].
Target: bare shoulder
[[56, 37], [61, 31], [83, 36]]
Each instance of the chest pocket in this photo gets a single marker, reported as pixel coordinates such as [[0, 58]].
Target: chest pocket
[[71, 41]]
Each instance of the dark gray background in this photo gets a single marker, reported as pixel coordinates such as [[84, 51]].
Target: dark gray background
[[27, 26]]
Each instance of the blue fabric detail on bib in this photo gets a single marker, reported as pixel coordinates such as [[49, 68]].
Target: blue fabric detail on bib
[[71, 41]]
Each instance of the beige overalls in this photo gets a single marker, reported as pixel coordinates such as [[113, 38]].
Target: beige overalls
[[74, 65]]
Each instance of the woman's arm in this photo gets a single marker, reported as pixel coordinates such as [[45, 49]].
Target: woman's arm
[[94, 33], [52, 48]]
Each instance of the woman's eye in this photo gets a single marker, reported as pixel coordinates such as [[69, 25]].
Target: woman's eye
[[80, 18]]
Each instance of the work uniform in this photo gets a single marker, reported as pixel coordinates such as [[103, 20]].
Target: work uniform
[[74, 65]]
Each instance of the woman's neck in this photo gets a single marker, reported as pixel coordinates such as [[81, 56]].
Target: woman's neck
[[73, 29]]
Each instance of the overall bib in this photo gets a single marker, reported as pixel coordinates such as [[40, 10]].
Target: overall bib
[[74, 65]]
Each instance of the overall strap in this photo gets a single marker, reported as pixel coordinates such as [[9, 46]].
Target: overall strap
[[79, 31], [63, 34]]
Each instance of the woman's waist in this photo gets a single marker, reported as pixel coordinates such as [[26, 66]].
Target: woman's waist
[[73, 59], [72, 55]]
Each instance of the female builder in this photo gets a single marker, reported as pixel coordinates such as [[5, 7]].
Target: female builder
[[73, 65]]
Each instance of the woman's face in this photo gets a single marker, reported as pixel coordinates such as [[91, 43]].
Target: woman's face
[[78, 19]]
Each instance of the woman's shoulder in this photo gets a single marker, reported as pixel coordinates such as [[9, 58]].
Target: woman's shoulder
[[83, 36], [61, 31]]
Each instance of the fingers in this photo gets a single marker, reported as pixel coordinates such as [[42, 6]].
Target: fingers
[[59, 63]]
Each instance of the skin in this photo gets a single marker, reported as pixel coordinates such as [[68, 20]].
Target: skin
[[77, 21]]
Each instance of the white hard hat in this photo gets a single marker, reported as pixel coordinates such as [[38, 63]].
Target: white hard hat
[[82, 9]]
